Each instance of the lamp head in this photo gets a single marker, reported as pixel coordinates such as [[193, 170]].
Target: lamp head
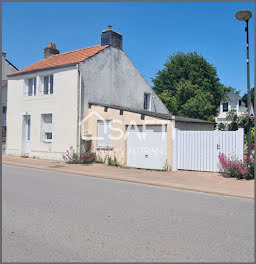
[[243, 15]]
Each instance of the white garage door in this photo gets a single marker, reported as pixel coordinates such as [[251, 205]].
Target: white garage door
[[147, 149]]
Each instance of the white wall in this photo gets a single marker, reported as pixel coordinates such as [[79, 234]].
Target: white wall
[[111, 78], [62, 104]]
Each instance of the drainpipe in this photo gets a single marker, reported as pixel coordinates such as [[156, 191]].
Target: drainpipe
[[78, 147]]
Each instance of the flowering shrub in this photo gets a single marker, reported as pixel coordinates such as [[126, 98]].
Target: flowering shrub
[[238, 168], [84, 158], [87, 157]]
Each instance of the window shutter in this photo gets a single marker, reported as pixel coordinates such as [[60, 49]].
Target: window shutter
[[25, 87], [48, 123]]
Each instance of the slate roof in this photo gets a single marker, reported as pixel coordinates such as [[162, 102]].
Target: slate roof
[[233, 96], [63, 59], [154, 114]]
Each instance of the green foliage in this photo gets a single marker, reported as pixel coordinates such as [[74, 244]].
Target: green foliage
[[221, 126], [243, 123], [84, 158], [87, 157], [231, 116], [238, 168], [252, 135], [244, 98], [113, 162], [3, 139], [188, 86], [100, 160]]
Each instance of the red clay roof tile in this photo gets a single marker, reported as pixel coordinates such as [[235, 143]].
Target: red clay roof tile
[[71, 57]]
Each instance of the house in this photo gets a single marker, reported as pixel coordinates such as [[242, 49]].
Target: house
[[69, 99], [7, 68], [232, 103]]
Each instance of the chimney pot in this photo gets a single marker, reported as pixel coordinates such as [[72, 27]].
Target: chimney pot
[[50, 50]]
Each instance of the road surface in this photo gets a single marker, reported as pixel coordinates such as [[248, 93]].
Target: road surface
[[52, 216]]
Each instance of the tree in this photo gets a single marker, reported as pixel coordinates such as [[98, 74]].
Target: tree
[[244, 98], [221, 126], [233, 125], [189, 86]]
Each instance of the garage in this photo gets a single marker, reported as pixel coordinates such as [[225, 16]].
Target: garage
[[147, 147]]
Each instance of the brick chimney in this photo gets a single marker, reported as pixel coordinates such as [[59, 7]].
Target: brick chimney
[[112, 38], [50, 50]]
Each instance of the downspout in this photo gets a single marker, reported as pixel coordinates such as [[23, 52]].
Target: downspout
[[78, 149]]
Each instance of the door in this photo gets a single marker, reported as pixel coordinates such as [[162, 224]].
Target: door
[[26, 133], [147, 148]]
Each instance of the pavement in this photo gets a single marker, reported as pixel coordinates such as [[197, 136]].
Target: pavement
[[50, 216], [216, 183]]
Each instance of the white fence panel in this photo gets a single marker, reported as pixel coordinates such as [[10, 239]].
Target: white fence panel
[[199, 150]]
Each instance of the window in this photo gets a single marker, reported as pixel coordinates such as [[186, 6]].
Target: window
[[146, 101], [225, 107], [104, 133], [32, 87], [4, 109], [46, 128], [48, 84], [233, 106]]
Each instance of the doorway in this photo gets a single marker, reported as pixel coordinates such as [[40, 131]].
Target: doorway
[[26, 135]]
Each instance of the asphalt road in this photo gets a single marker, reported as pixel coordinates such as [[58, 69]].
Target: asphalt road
[[51, 216]]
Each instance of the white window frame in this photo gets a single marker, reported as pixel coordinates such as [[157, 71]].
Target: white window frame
[[149, 103], [232, 104], [43, 130], [34, 87], [49, 84], [106, 133]]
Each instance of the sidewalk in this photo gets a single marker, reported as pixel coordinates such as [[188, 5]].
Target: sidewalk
[[215, 183]]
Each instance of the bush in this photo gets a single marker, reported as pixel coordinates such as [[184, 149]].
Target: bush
[[100, 160], [238, 168], [87, 157], [84, 158], [221, 126], [3, 139], [113, 162]]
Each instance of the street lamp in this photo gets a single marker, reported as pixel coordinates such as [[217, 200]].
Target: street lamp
[[245, 15]]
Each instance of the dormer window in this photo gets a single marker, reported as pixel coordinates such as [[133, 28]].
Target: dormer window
[[48, 84], [225, 107], [147, 102]]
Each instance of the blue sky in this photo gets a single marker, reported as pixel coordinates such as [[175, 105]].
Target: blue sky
[[151, 32]]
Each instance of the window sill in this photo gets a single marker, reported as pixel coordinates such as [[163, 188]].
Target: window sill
[[47, 141], [38, 97]]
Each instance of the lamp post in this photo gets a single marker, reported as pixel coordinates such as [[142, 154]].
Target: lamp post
[[245, 15]]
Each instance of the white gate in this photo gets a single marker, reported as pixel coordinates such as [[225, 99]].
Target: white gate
[[199, 150]]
